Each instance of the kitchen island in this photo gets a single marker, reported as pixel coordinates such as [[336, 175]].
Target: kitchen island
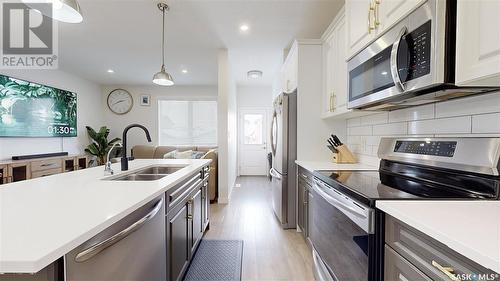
[[45, 218]]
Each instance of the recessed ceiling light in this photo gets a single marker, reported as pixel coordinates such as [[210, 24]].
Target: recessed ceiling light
[[244, 27], [254, 74], [111, 71], [184, 71]]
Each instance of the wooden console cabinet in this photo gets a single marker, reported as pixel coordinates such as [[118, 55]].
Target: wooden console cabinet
[[19, 170]]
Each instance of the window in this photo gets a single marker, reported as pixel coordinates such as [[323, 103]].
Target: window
[[252, 128], [187, 122]]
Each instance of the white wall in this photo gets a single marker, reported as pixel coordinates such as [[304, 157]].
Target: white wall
[[477, 116], [227, 127], [254, 96], [89, 112], [148, 115]]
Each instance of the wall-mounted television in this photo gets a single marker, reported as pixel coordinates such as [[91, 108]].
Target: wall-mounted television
[[29, 109]]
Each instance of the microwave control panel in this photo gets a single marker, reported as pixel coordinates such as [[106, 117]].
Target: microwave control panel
[[414, 54], [432, 148]]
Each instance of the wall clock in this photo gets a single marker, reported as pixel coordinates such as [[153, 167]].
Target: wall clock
[[120, 101]]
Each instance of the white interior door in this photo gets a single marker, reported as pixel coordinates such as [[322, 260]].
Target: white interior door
[[253, 142]]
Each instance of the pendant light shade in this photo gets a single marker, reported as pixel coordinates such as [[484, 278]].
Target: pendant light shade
[[62, 10], [163, 78]]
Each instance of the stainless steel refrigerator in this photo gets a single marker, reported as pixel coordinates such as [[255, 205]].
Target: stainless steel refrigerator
[[284, 149]]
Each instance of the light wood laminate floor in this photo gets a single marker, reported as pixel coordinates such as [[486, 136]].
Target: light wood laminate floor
[[270, 253]]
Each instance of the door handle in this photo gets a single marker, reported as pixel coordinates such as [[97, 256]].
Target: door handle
[[370, 10], [101, 246], [394, 60]]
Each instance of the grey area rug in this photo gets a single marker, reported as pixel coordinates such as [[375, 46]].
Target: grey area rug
[[216, 260]]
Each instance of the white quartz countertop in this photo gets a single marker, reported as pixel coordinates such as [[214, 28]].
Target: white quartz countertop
[[43, 219], [471, 228], [312, 166]]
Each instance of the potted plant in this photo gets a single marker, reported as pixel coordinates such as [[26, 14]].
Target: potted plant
[[100, 145]]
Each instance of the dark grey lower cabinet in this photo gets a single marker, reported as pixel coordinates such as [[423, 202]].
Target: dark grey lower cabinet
[[187, 220], [197, 218], [413, 255], [304, 183], [178, 248]]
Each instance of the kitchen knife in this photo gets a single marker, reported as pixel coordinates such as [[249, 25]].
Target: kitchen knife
[[336, 140], [332, 149], [330, 141]]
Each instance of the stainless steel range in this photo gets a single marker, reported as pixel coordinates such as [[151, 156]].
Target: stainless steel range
[[345, 228]]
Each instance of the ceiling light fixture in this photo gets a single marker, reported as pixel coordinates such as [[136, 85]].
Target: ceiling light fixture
[[244, 27], [184, 71], [111, 71], [163, 78], [254, 74], [62, 10]]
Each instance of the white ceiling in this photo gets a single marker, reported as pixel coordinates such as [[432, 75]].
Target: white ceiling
[[125, 35]]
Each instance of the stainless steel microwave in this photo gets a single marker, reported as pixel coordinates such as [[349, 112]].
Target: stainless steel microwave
[[413, 63]]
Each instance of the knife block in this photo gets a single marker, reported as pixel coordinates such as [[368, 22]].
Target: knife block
[[344, 156]]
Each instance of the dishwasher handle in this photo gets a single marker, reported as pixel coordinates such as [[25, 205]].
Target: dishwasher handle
[[101, 246]]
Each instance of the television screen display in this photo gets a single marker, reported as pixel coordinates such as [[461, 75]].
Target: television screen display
[[29, 109]]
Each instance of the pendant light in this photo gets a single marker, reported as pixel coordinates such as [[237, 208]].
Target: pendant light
[[62, 10], [163, 78]]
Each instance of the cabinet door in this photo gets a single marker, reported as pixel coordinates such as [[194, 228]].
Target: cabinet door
[[478, 43], [196, 218], [389, 12], [358, 15], [300, 204], [206, 205], [329, 65], [178, 242], [290, 70], [340, 67], [397, 268]]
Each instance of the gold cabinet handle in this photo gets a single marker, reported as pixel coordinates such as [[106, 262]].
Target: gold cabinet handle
[[446, 270], [376, 13], [189, 217], [333, 101], [370, 10], [330, 105]]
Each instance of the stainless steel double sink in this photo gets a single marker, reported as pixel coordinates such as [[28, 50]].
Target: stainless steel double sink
[[151, 173]]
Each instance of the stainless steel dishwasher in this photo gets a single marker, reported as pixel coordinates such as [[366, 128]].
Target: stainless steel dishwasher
[[134, 248]]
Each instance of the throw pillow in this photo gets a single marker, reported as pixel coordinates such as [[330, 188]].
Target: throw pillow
[[197, 154], [170, 155], [184, 154]]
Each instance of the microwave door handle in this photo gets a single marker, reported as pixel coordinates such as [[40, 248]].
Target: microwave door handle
[[394, 59]]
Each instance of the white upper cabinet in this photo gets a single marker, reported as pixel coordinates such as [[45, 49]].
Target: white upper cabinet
[[290, 70], [335, 68], [478, 43], [360, 24], [367, 19]]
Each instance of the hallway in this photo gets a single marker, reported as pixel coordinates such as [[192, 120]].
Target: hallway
[[270, 253]]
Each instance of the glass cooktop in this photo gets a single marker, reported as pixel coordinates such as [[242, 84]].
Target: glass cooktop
[[368, 186]]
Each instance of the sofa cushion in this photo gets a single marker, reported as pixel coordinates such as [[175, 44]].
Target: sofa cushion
[[162, 150], [143, 151], [205, 148]]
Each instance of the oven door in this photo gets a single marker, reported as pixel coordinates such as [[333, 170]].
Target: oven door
[[341, 234], [409, 57]]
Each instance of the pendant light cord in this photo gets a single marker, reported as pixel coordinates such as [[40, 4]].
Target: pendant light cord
[[163, 38]]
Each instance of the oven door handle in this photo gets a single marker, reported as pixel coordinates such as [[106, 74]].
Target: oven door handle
[[335, 202], [394, 60]]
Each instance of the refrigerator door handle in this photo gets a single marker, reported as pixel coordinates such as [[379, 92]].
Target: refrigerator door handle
[[274, 128], [274, 174]]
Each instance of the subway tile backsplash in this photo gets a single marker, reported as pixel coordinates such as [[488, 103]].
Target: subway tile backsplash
[[477, 116]]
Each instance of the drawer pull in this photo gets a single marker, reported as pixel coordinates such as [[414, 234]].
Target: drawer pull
[[446, 270], [304, 176]]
